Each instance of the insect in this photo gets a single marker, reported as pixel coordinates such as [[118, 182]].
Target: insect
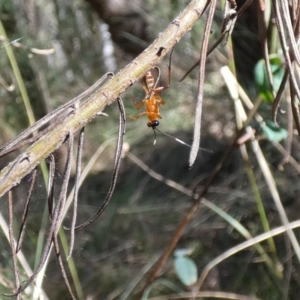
[[152, 100]]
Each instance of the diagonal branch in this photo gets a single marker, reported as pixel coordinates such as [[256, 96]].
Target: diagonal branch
[[14, 172]]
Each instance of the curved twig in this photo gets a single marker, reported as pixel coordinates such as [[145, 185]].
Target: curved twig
[[279, 94], [16, 44], [202, 63], [76, 188], [12, 241], [224, 34], [285, 49], [25, 212], [118, 157], [62, 268]]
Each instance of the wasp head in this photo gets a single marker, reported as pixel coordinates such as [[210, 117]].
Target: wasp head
[[153, 124]]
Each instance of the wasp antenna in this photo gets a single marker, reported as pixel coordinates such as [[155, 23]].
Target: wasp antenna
[[173, 137], [154, 142], [182, 142]]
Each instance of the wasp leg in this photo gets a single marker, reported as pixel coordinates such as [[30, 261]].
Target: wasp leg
[[160, 100], [139, 115], [138, 105], [162, 88]]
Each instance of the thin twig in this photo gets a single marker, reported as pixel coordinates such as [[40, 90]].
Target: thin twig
[[62, 268], [50, 191], [9, 88], [275, 195], [288, 267], [85, 172], [285, 49], [76, 188], [198, 110], [287, 157], [289, 28], [219, 40], [242, 246], [279, 94], [159, 177], [295, 107], [138, 277], [244, 7], [21, 143], [16, 44], [12, 241], [262, 31], [206, 294], [25, 212], [64, 187], [118, 157]]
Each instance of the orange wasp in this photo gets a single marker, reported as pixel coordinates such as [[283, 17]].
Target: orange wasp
[[153, 100]]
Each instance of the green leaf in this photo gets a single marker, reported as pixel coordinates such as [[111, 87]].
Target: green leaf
[[261, 78], [273, 132], [186, 270], [182, 252]]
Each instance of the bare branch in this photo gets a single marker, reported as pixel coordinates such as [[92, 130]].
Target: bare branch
[[62, 111]]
